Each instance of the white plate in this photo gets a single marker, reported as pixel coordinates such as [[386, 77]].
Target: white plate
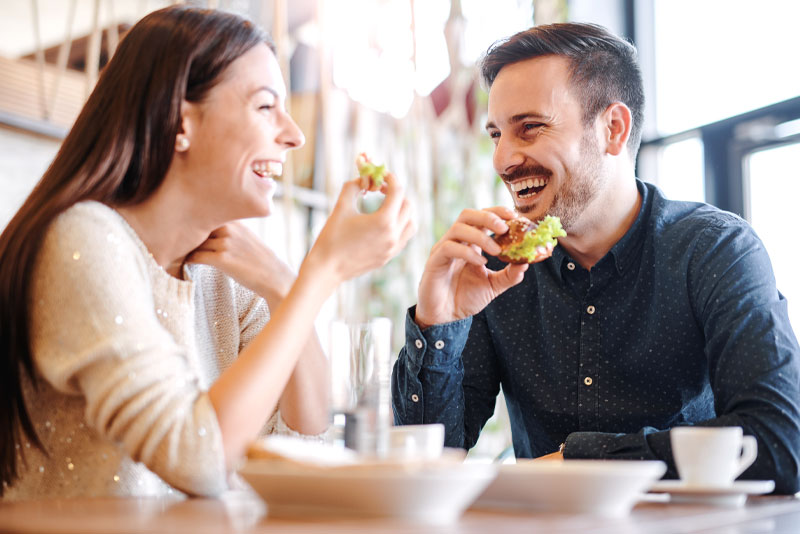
[[607, 488], [733, 495], [432, 492]]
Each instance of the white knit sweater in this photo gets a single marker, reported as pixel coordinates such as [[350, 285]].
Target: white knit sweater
[[125, 354]]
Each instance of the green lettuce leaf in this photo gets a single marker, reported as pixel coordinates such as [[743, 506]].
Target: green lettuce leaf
[[370, 170], [546, 232]]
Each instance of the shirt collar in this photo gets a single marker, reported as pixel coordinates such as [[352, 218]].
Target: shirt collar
[[556, 262], [624, 251]]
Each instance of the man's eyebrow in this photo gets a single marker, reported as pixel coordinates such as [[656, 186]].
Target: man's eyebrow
[[519, 117]]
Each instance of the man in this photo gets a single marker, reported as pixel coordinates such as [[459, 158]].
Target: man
[[650, 313]]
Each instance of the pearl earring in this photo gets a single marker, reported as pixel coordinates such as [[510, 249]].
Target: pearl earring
[[182, 143]]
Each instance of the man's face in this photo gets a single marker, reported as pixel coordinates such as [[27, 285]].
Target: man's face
[[550, 163]]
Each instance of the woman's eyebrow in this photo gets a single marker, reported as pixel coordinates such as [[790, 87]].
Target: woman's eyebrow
[[267, 89]]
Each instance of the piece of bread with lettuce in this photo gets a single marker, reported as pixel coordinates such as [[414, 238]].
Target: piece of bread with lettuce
[[372, 175], [527, 242]]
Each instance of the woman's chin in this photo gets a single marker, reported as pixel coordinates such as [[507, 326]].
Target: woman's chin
[[256, 208], [266, 209]]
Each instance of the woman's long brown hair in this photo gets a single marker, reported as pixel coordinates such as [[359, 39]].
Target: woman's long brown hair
[[117, 153]]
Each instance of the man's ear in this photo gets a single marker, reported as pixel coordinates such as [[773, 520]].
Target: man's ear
[[616, 121]]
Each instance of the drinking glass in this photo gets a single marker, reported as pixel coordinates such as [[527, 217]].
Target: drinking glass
[[360, 355]]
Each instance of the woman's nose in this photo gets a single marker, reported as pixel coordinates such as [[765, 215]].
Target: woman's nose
[[291, 135]]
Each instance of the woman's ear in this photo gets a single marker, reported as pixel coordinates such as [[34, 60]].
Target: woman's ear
[[617, 123], [189, 120]]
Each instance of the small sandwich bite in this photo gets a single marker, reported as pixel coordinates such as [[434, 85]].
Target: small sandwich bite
[[526, 241], [375, 174]]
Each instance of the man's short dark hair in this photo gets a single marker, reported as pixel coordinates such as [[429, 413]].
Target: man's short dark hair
[[604, 68]]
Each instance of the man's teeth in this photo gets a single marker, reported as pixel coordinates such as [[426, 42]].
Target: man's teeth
[[528, 186], [530, 182], [268, 169]]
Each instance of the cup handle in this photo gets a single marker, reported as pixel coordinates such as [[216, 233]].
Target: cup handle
[[749, 453]]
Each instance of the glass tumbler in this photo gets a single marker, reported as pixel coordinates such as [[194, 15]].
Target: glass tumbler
[[360, 355]]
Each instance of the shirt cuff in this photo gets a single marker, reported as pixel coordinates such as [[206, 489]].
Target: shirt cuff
[[438, 345], [606, 445]]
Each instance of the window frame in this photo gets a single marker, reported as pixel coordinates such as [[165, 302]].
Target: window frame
[[727, 142]]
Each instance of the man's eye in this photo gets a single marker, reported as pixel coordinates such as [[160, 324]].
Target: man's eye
[[266, 106], [531, 126], [494, 135]]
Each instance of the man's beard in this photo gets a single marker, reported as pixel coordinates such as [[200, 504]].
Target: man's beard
[[580, 187]]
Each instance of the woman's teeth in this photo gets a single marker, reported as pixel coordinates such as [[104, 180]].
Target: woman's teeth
[[268, 169], [528, 188]]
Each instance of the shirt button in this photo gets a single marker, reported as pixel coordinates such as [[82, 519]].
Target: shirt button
[[439, 344], [571, 266], [415, 397], [418, 343], [588, 380], [590, 310]]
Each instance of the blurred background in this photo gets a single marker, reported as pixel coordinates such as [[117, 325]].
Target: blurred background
[[397, 79]]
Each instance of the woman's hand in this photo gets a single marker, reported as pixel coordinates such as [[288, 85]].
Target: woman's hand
[[239, 253], [353, 243]]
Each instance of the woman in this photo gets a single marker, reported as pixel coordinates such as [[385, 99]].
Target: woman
[[136, 353]]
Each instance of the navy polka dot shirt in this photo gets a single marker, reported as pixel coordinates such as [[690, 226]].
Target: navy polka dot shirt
[[680, 323]]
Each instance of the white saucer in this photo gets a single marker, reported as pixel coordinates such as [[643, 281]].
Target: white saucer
[[732, 496]]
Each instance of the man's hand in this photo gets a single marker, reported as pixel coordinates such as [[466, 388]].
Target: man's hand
[[455, 283], [552, 456]]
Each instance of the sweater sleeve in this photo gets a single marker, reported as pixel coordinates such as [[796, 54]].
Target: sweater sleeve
[[95, 333], [253, 314]]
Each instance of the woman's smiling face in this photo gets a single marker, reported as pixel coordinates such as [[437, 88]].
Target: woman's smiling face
[[239, 137]]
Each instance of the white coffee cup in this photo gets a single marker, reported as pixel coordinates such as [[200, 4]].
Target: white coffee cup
[[416, 442], [711, 456]]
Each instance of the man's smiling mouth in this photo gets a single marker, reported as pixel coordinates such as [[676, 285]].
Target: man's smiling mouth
[[529, 188]]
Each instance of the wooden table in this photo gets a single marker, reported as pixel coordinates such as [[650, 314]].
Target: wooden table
[[243, 512]]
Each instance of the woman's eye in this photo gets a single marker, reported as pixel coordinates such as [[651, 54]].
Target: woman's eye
[[494, 135], [531, 126], [266, 106]]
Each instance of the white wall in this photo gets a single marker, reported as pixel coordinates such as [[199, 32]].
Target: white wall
[[23, 159], [608, 13]]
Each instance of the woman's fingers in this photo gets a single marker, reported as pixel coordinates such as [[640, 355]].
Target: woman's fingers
[[395, 195], [346, 203]]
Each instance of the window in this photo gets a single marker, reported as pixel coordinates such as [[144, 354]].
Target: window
[[719, 58], [773, 179], [676, 168]]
